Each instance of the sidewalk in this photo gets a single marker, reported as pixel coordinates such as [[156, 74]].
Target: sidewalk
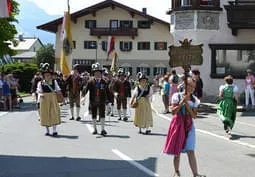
[[158, 105]]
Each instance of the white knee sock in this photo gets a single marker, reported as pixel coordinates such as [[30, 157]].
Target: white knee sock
[[72, 112], [77, 111], [54, 128], [125, 112], [102, 120], [119, 112], [94, 121], [47, 130], [112, 106]]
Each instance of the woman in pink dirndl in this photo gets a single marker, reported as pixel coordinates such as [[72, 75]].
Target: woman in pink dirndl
[[181, 133]]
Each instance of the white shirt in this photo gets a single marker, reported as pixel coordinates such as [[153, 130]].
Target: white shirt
[[135, 93], [223, 86], [40, 90], [176, 100]]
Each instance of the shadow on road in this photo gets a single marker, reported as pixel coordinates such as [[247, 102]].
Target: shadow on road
[[67, 137], [115, 136], [24, 166], [237, 137]]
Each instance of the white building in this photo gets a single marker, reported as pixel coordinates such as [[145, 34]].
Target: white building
[[228, 38], [26, 48], [140, 40]]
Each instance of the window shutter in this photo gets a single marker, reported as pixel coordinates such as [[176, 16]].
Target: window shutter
[[149, 45], [86, 45], [131, 24], [94, 24], [130, 45], [121, 24], [148, 71], [155, 45], [165, 70], [86, 24], [137, 69], [139, 45], [154, 71], [131, 71], [121, 45], [165, 46]]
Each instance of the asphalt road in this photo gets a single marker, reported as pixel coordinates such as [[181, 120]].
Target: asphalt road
[[26, 152]]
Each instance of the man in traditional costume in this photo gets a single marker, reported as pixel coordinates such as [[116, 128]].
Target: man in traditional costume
[[48, 89], [110, 82], [98, 97], [123, 90], [74, 83]]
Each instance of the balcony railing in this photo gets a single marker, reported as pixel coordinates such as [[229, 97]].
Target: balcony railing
[[114, 32], [179, 5], [240, 15]]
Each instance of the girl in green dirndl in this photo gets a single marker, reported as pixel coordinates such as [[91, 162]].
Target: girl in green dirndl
[[227, 104]]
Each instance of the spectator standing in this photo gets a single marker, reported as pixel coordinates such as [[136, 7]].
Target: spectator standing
[[173, 80], [249, 88], [199, 84], [165, 94], [7, 94]]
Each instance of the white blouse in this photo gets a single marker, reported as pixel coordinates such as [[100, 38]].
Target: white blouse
[[40, 90], [223, 86], [176, 100]]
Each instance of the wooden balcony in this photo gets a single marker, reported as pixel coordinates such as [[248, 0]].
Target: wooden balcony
[[114, 32], [180, 5], [240, 15]]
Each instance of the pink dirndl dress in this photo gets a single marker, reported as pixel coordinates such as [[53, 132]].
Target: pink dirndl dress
[[180, 139]]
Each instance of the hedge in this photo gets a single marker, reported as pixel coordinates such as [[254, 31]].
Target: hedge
[[22, 71]]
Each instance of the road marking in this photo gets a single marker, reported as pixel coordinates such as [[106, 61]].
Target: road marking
[[209, 133], [134, 163], [225, 138], [90, 128], [3, 113]]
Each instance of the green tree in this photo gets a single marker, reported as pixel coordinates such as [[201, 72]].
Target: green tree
[[46, 54], [8, 30]]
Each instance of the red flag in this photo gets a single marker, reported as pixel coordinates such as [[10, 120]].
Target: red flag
[[110, 45], [9, 5]]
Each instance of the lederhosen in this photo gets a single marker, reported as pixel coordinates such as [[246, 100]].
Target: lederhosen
[[123, 89], [74, 90], [99, 94]]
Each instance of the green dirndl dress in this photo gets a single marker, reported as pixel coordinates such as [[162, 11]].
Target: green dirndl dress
[[227, 107]]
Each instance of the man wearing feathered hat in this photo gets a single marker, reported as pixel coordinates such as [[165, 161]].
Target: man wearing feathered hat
[[122, 89], [49, 108], [74, 83], [98, 97]]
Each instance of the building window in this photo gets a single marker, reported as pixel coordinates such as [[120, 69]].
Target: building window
[[125, 46], [144, 24], [143, 46], [104, 45], [232, 59], [159, 70], [74, 44], [186, 3], [90, 24], [160, 45], [206, 2], [90, 45], [144, 70], [128, 69], [114, 24], [126, 24]]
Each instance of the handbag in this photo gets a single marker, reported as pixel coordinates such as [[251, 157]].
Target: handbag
[[134, 103]]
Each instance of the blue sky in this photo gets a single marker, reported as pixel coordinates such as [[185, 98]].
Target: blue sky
[[156, 8]]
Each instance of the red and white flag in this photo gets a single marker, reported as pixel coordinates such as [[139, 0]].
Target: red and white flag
[[110, 45], [5, 8]]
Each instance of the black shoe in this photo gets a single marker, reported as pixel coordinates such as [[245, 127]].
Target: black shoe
[[78, 118], [72, 118], [47, 134], [55, 134], [119, 118], [103, 133], [140, 132], [125, 119], [148, 132], [112, 115], [94, 132]]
